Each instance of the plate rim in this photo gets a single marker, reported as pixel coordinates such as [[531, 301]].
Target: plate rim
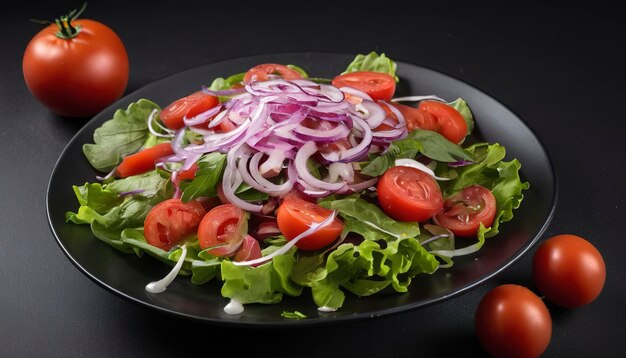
[[313, 321]]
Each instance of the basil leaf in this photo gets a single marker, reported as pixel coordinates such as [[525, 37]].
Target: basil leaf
[[460, 105], [210, 171]]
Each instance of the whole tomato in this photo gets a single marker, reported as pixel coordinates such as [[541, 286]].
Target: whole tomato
[[76, 67]]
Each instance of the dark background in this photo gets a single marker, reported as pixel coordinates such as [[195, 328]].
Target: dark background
[[558, 69]]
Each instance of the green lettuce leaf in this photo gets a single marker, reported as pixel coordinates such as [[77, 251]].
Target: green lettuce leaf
[[109, 214], [300, 70], [210, 170], [221, 84], [374, 63], [263, 284], [364, 270], [126, 133]]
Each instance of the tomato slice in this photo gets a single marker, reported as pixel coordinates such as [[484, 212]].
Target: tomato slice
[[188, 174], [171, 221], [450, 122], [249, 250], [409, 194], [172, 115], [379, 86], [223, 229], [263, 72], [295, 216], [143, 161], [464, 211]]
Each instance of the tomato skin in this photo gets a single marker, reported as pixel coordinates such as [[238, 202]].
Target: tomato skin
[[569, 270], [224, 227], [249, 250], [418, 118], [379, 86], [171, 221], [409, 194], [459, 206], [76, 77], [143, 160], [450, 121], [194, 104], [188, 174], [261, 73], [294, 216], [511, 321]]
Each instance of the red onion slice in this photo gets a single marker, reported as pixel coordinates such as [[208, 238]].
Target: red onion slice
[[374, 114], [356, 92], [417, 99], [202, 117], [356, 152], [302, 157]]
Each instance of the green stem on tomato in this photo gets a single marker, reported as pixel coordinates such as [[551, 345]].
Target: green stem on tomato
[[67, 30]]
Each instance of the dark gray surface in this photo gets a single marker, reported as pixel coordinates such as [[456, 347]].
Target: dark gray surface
[[557, 69]]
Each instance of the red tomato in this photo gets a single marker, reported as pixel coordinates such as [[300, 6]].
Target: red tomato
[[249, 250], [511, 321], [569, 270], [188, 174], [409, 194], [418, 118], [170, 221], [76, 69], [223, 229], [295, 216], [450, 122], [144, 160], [261, 73], [379, 86], [464, 211], [194, 104]]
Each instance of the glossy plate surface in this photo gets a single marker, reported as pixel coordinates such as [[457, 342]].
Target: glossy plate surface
[[126, 275]]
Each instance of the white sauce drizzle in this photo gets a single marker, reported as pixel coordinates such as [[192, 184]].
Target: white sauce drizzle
[[234, 307], [326, 309], [161, 285]]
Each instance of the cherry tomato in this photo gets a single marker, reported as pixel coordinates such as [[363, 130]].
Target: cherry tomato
[[262, 73], [249, 250], [418, 118], [409, 194], [450, 122], [143, 160], [511, 321], [77, 68], [379, 86], [569, 270], [223, 229], [194, 104], [464, 211], [171, 221], [295, 216]]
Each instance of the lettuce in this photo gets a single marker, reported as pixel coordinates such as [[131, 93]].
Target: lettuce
[[124, 134], [109, 214], [374, 63]]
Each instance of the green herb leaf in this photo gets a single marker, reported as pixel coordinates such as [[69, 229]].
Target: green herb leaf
[[210, 170], [300, 70], [293, 315], [460, 105], [120, 136]]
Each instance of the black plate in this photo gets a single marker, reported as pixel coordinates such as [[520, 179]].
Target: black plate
[[127, 275]]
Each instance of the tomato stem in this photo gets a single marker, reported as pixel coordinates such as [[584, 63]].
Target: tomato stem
[[67, 30]]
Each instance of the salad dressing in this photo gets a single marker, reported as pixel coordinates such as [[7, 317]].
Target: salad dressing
[[161, 285], [233, 307]]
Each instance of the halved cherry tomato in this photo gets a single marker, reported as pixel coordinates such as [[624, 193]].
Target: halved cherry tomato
[[511, 321], [171, 221], [295, 216], [409, 194], [144, 160], [569, 270], [261, 73], [379, 86], [449, 121], [172, 115], [249, 250], [222, 229], [464, 211]]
